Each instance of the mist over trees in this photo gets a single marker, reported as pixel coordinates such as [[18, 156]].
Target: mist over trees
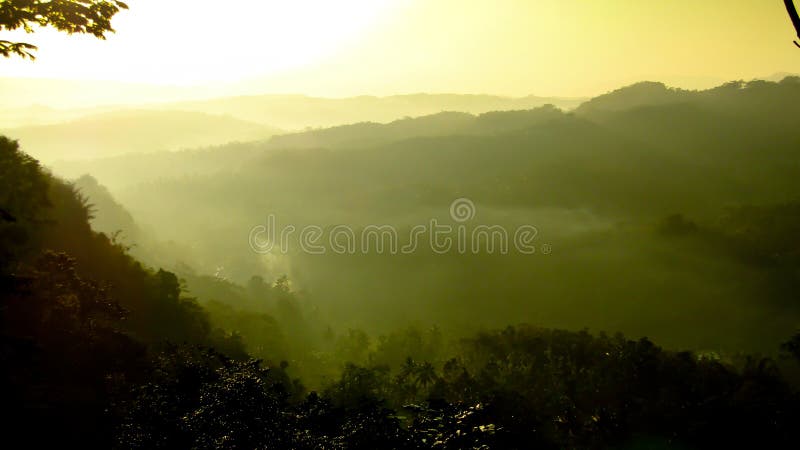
[[657, 309], [659, 211], [600, 184]]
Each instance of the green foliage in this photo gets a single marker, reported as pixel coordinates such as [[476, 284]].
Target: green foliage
[[198, 398], [115, 221], [262, 335], [69, 16], [523, 386], [23, 196], [61, 344]]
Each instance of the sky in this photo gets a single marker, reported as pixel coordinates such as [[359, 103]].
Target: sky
[[381, 47]]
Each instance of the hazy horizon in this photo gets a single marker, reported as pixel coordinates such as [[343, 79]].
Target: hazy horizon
[[515, 48], [70, 94]]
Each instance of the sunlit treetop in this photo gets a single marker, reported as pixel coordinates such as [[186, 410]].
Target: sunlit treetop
[[70, 16]]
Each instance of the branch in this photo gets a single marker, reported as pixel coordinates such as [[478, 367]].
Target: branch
[[69, 16], [790, 8], [17, 48]]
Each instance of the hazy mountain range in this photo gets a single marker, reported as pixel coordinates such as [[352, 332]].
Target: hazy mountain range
[[133, 131], [126, 118], [298, 112], [594, 181], [51, 134]]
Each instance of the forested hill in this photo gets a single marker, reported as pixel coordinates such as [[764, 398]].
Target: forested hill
[[441, 124], [101, 351], [599, 184], [46, 226], [311, 225]]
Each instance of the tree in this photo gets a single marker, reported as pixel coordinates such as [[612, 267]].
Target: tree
[[794, 16], [70, 16]]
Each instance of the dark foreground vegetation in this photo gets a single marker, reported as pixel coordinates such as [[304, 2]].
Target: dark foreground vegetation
[[99, 351]]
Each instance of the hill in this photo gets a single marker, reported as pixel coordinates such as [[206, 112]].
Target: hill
[[296, 112], [140, 131], [111, 353], [124, 170], [596, 183], [442, 124]]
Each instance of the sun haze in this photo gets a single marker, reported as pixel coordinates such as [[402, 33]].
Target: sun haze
[[192, 42], [400, 224], [352, 47]]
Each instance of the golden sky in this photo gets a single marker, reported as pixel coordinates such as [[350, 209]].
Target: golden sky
[[382, 47]]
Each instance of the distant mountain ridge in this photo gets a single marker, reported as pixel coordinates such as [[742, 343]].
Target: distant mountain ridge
[[645, 111], [135, 131], [299, 112], [373, 120], [599, 184], [209, 160], [440, 124], [653, 94], [41, 101]]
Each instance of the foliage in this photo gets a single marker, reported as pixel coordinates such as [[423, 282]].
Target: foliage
[[23, 196], [61, 343], [69, 16], [198, 398]]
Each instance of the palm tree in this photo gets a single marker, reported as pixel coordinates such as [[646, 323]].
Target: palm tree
[[408, 369], [426, 374]]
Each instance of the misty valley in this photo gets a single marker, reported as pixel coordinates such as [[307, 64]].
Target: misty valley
[[203, 266]]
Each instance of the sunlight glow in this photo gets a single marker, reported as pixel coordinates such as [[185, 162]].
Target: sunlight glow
[[384, 47], [191, 41]]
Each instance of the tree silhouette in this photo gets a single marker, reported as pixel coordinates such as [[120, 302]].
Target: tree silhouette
[[426, 374], [70, 16], [794, 16]]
